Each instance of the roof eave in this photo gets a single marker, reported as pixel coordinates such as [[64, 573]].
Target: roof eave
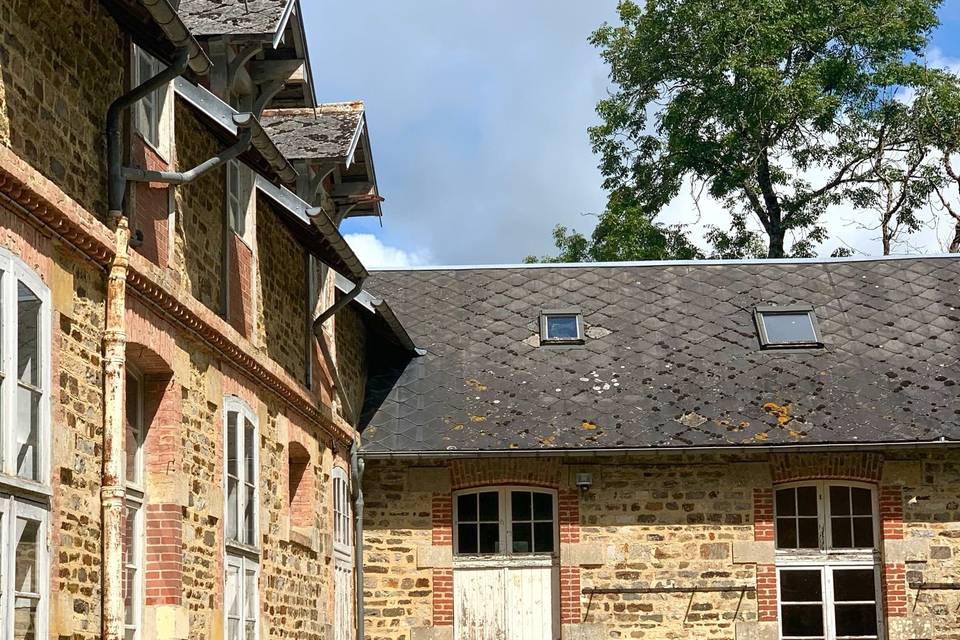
[[179, 35]]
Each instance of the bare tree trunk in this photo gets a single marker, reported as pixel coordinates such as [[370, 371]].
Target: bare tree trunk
[[955, 243]]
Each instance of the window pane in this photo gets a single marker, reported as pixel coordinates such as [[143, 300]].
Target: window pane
[[25, 619], [787, 533], [251, 630], [542, 506], [489, 538], [862, 501], [786, 502], [28, 537], [489, 506], [133, 435], [233, 591], [232, 443], [249, 451], [522, 538], [800, 586], [250, 599], [854, 585], [28, 433], [839, 501], [788, 327], [804, 620], [467, 538], [467, 507], [808, 534], [863, 532], [233, 498], [233, 630], [520, 507], [28, 335], [249, 524], [543, 537], [562, 327], [842, 534], [856, 619], [807, 501]]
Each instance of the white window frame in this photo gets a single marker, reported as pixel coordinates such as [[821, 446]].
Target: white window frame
[[135, 502], [242, 564], [760, 312], [233, 404], [827, 601], [12, 271], [138, 473], [152, 128], [237, 191], [10, 509], [506, 523], [827, 559], [342, 512]]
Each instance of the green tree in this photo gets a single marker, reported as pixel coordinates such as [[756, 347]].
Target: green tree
[[624, 231], [752, 99]]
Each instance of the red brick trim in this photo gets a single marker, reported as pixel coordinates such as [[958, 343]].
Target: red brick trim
[[792, 467], [766, 592], [568, 519], [763, 515], [891, 511], [442, 517], [570, 595], [894, 590], [479, 473], [39, 199], [164, 554], [442, 597]]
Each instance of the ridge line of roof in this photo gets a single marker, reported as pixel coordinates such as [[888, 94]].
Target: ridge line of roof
[[669, 263]]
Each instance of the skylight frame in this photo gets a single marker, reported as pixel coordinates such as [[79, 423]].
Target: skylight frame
[[790, 309], [546, 314]]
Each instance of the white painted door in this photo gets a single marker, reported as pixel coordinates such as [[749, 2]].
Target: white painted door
[[506, 599], [343, 602]]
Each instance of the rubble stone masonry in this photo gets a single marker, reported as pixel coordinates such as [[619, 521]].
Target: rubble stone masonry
[[652, 521]]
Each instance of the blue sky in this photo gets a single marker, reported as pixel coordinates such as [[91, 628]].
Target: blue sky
[[478, 115]]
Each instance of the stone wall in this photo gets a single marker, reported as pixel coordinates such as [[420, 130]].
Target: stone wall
[[683, 522], [351, 354], [61, 64]]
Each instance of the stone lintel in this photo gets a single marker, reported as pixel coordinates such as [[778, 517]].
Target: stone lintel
[[756, 631], [753, 552], [434, 557], [583, 554]]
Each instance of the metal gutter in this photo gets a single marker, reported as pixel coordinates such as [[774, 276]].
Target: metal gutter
[[330, 311], [379, 306], [225, 116], [677, 263], [176, 31], [588, 453], [309, 216]]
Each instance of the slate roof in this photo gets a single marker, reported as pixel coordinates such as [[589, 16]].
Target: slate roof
[[236, 17], [671, 359], [329, 132]]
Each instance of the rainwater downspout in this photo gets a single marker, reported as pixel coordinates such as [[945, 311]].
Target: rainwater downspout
[[356, 478], [112, 489]]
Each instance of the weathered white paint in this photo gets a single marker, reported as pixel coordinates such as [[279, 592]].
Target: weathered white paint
[[343, 600], [506, 598]]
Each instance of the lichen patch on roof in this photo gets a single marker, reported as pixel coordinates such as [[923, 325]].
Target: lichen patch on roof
[[329, 132], [681, 365], [237, 17]]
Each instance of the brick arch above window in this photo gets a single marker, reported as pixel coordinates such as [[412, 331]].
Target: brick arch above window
[[536, 472], [796, 467], [301, 485]]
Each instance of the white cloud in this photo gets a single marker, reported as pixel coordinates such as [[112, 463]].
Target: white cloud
[[376, 255]]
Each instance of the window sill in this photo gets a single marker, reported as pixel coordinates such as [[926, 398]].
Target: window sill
[[241, 549], [25, 488]]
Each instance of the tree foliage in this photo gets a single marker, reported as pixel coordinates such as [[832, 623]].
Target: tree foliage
[[777, 108]]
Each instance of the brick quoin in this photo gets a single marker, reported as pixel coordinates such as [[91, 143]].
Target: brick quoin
[[164, 554], [568, 517], [895, 590], [763, 515], [442, 597], [891, 512], [766, 592], [241, 259], [442, 510]]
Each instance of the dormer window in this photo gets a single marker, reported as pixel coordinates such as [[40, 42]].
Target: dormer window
[[561, 326], [793, 326]]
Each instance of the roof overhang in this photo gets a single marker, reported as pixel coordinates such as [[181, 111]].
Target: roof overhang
[[315, 230], [156, 27], [379, 308], [263, 154]]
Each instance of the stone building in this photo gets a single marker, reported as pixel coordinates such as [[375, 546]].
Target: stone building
[[179, 400], [754, 450]]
